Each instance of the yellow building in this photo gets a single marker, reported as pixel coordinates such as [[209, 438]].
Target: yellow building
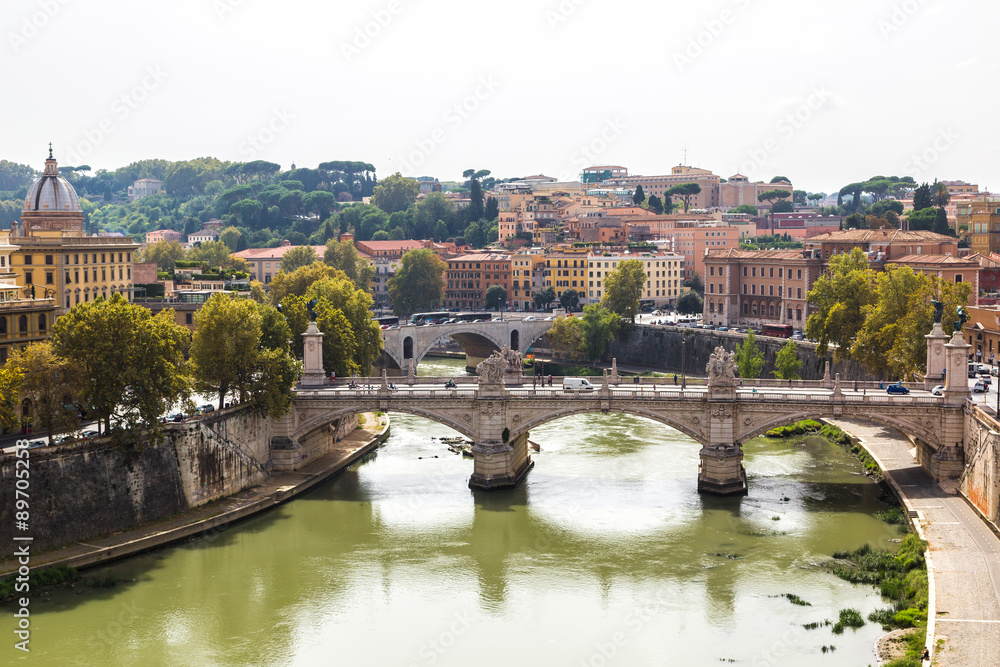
[[566, 268], [982, 218], [55, 258], [663, 275], [23, 319]]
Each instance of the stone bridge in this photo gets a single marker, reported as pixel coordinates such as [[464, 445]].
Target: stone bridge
[[720, 414], [478, 339]]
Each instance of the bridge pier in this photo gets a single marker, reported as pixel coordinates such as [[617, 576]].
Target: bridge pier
[[721, 470], [499, 465]]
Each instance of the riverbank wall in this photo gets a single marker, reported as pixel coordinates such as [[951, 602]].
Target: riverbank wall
[[980, 480], [89, 488], [677, 349]]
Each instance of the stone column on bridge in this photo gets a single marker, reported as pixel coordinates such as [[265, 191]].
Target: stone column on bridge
[[936, 341], [499, 461], [313, 374], [721, 469], [948, 461]]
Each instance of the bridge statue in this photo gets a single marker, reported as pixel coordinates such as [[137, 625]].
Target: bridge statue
[[721, 368], [491, 371]]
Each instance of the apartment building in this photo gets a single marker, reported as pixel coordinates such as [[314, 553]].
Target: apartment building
[[663, 275], [882, 244], [567, 268], [739, 190], [164, 235], [469, 276], [266, 262], [758, 287], [658, 185], [948, 268], [982, 217], [527, 277], [24, 319], [144, 187]]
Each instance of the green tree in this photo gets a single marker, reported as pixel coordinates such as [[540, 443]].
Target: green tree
[[772, 197], [257, 292], [939, 195], [891, 341], [297, 257], [298, 281], [544, 297], [689, 303], [321, 203], [569, 299], [496, 297], [344, 257], [341, 294], [50, 382], [638, 196], [655, 205], [11, 381], [922, 197], [131, 364], [231, 237], [566, 337], [749, 357], [779, 179], [748, 209], [799, 196], [395, 193], [685, 191], [623, 289], [839, 298], [787, 362], [339, 343], [941, 225], [211, 253], [923, 219], [597, 328], [418, 283], [440, 231], [164, 253]]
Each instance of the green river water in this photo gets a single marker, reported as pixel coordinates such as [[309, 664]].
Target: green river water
[[605, 555]]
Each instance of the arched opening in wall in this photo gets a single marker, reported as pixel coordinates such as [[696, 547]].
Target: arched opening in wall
[[515, 340], [408, 348]]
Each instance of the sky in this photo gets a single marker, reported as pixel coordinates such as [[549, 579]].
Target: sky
[[825, 93]]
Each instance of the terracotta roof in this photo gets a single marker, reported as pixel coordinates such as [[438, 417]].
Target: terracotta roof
[[393, 245], [481, 257], [881, 236], [935, 259], [275, 253], [736, 253]]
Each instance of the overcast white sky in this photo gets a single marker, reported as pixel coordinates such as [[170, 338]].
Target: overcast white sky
[[891, 87]]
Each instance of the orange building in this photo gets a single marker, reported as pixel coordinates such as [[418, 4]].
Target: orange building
[[468, 277]]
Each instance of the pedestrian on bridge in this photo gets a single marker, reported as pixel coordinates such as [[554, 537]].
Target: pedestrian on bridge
[[675, 379]]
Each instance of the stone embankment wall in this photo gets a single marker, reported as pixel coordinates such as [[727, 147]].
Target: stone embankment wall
[[980, 482], [86, 489], [660, 348]]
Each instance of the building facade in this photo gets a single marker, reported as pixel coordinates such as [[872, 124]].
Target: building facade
[[468, 277], [663, 275], [758, 287]]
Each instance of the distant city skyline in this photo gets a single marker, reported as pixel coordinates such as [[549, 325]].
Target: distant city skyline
[[824, 95]]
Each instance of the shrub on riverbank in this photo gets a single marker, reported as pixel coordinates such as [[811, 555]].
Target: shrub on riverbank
[[832, 433], [52, 576], [901, 577]]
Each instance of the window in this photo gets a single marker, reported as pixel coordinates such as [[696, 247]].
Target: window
[[28, 280], [958, 278], [27, 260], [48, 259], [720, 288], [22, 324], [50, 278], [800, 275], [771, 272], [188, 319], [711, 270], [798, 314], [780, 271], [711, 288], [744, 288], [799, 293], [3, 324], [42, 323]]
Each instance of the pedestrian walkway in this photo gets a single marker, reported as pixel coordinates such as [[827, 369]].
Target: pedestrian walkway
[[216, 516], [964, 563]]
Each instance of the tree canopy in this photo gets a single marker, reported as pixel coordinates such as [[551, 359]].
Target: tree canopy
[[597, 328], [395, 193], [569, 299], [418, 283], [839, 297], [749, 357], [623, 289], [49, 381]]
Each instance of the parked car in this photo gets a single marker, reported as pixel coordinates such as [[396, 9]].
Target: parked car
[[896, 389], [979, 387], [530, 318], [549, 318], [985, 377], [938, 390], [722, 328], [208, 407]]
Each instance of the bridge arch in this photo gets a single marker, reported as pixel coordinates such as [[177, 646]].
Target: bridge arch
[[663, 418], [326, 417], [920, 429]]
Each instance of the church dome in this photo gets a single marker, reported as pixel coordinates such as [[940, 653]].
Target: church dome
[[51, 192]]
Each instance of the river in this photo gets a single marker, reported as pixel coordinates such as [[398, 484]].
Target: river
[[605, 555]]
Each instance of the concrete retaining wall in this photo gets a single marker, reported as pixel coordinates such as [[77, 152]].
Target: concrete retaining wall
[[91, 488], [660, 348], [980, 483]]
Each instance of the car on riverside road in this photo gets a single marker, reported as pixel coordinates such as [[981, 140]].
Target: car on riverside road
[[896, 389], [979, 387], [938, 390]]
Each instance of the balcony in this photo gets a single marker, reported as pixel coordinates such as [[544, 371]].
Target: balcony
[[27, 305]]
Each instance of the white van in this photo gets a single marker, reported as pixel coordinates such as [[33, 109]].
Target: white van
[[577, 384]]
